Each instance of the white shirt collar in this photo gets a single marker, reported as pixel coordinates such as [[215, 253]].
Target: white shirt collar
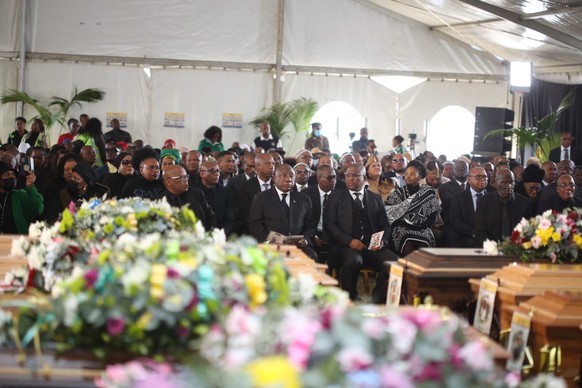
[[361, 192], [321, 192], [266, 138], [263, 182], [280, 193]]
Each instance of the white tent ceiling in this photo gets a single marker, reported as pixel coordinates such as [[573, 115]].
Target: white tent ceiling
[[73, 42]]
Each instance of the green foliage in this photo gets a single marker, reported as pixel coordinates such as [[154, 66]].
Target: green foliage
[[542, 137], [297, 113], [57, 110]]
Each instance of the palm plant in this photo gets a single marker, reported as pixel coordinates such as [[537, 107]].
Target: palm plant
[[297, 113], [50, 115], [542, 138]]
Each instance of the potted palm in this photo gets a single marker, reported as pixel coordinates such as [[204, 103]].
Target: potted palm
[[542, 138], [57, 110]]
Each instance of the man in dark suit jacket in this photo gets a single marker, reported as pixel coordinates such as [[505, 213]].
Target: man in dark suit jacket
[[498, 212], [178, 194], [319, 196], [284, 211], [248, 172], [265, 166], [218, 197], [463, 207], [446, 193], [563, 197], [350, 218], [566, 150]]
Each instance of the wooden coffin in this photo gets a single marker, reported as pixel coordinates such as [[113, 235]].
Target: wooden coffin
[[443, 273], [556, 320], [520, 282], [297, 262]]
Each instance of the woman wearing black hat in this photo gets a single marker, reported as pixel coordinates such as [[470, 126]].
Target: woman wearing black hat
[[18, 207], [531, 185]]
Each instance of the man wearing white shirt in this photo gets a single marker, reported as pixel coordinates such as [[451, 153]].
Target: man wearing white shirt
[[319, 194], [302, 174], [462, 210], [566, 151], [267, 140]]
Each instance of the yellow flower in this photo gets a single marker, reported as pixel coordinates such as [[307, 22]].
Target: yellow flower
[[578, 240], [157, 279], [132, 221], [274, 371], [144, 320], [526, 245], [189, 262], [256, 287], [556, 237], [545, 234]]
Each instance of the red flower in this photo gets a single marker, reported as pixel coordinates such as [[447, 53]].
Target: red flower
[[516, 237], [91, 277], [115, 326]]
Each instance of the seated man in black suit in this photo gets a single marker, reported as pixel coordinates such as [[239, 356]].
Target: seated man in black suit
[[319, 195], [498, 212], [350, 218], [179, 194], [563, 198], [463, 207], [218, 197], [284, 211]]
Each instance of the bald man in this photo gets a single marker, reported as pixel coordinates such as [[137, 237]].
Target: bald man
[[178, 193]]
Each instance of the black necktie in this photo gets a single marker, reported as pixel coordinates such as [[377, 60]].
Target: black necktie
[[477, 196], [265, 186], [566, 154], [463, 186], [505, 219], [324, 201], [284, 203], [358, 201]]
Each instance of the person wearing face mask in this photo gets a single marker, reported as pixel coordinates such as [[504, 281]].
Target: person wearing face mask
[[18, 207], [317, 139]]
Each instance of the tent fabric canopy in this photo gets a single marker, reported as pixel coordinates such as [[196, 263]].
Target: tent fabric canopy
[[208, 58]]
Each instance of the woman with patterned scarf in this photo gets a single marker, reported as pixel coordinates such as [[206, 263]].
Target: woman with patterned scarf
[[412, 210]]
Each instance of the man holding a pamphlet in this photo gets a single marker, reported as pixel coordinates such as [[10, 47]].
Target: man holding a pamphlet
[[357, 224]]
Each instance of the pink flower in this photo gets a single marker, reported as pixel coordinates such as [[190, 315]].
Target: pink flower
[[536, 241], [354, 359], [456, 360], [300, 331], [172, 273], [476, 356], [72, 207], [241, 322], [115, 326], [431, 371], [426, 320], [393, 378], [553, 257], [374, 327], [512, 379], [544, 224], [91, 277]]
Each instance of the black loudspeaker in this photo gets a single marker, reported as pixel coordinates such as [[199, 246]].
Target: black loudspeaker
[[486, 121]]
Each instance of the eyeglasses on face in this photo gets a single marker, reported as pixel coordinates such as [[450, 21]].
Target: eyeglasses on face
[[154, 167], [182, 178], [302, 172], [111, 149], [126, 162], [564, 185], [479, 177], [212, 171], [401, 160]]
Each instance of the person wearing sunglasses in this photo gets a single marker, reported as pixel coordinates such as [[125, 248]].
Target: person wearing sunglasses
[[563, 198], [218, 197], [147, 184], [399, 164], [125, 171]]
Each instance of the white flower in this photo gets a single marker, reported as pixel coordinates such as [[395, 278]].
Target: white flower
[[136, 276], [302, 288], [403, 334], [35, 229], [126, 239], [35, 258], [490, 247], [354, 359], [19, 247], [218, 236], [199, 230], [70, 306]]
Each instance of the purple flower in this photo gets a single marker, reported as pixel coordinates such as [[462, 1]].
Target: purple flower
[[91, 277], [172, 273], [115, 326]]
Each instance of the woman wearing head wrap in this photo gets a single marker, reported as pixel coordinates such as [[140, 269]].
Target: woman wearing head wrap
[[169, 157], [18, 207], [531, 185]]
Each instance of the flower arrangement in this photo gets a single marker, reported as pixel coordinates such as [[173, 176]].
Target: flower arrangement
[[154, 294], [554, 236], [317, 347], [52, 250]]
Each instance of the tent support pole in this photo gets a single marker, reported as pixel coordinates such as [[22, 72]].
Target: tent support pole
[[278, 65], [22, 57]]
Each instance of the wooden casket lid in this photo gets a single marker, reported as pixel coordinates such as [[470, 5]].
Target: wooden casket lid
[[448, 261], [554, 309], [532, 279]]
